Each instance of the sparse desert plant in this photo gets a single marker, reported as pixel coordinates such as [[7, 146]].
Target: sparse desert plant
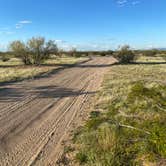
[[35, 51], [73, 52], [164, 57], [20, 50], [5, 59], [152, 52], [40, 49], [125, 55], [50, 48], [81, 157], [14, 70], [60, 52]]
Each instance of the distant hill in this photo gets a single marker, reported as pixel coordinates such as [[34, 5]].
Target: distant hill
[[162, 49]]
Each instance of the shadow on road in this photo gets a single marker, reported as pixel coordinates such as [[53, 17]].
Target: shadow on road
[[94, 66], [17, 94]]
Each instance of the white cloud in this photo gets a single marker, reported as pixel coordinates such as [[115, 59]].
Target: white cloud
[[105, 43], [122, 2], [62, 44], [3, 47], [59, 41], [151, 46], [18, 26], [135, 3], [66, 46], [21, 24], [25, 22], [94, 46], [6, 32]]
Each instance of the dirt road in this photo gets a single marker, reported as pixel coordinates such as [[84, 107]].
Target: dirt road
[[35, 115]]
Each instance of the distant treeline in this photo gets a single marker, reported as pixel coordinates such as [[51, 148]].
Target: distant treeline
[[37, 49], [150, 52], [86, 53]]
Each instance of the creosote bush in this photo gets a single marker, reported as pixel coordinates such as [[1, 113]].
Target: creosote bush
[[20, 50], [34, 51], [125, 55], [150, 53], [5, 59]]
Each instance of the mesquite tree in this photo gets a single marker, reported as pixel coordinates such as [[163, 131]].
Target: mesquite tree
[[34, 51]]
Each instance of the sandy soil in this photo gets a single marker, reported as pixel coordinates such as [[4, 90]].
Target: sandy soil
[[35, 115]]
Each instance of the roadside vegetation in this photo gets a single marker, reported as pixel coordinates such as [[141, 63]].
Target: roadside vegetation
[[127, 126], [33, 58], [34, 51], [15, 70], [125, 55], [37, 56]]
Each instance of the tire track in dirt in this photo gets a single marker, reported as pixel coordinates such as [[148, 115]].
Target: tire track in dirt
[[39, 113]]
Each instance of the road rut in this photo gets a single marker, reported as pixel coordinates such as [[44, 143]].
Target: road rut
[[35, 115]]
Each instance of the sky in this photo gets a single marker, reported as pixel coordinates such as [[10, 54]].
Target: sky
[[85, 24]]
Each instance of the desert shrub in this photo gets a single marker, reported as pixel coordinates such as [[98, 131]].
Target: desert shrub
[[35, 51], [73, 52], [40, 50], [78, 55], [94, 114], [103, 53], [150, 53], [125, 55], [20, 50], [110, 52], [81, 157], [5, 59]]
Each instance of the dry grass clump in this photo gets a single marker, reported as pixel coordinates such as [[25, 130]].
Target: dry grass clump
[[14, 69]]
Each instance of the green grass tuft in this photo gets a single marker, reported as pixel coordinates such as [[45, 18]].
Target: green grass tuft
[[131, 129], [81, 157]]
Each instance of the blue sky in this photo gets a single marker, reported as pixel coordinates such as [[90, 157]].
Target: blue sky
[[85, 24]]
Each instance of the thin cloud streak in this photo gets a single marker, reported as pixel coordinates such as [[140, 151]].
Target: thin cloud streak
[[25, 22], [135, 3], [21, 24], [123, 3]]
